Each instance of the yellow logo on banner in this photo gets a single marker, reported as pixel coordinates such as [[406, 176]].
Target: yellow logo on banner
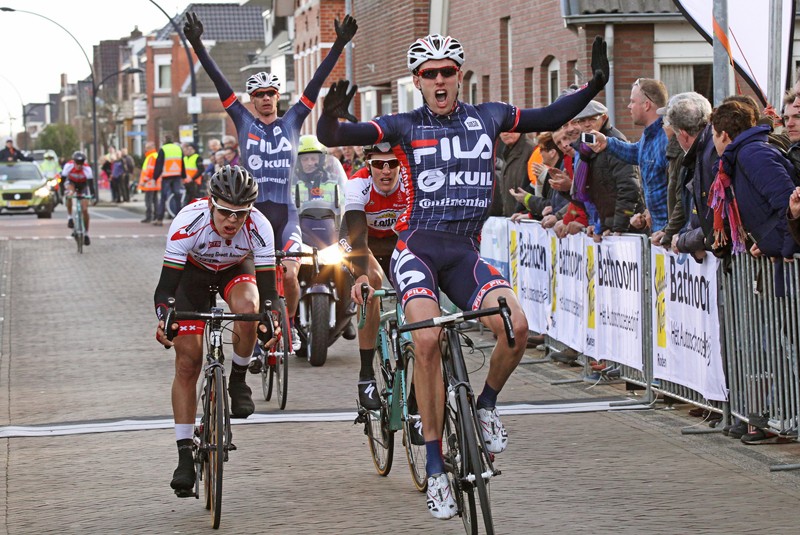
[[590, 269], [661, 302], [513, 259], [553, 269]]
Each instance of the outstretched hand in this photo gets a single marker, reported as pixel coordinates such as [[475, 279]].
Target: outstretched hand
[[600, 61], [347, 29], [337, 101], [193, 29]]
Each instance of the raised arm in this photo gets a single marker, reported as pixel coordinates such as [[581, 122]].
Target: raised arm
[[344, 34], [331, 131], [193, 30]]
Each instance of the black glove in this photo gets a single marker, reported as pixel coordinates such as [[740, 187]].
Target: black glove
[[193, 30], [346, 30], [600, 62], [266, 336], [337, 101]]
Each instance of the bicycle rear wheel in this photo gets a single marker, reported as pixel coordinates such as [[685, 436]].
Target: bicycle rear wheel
[[216, 436], [415, 454], [282, 350], [381, 437]]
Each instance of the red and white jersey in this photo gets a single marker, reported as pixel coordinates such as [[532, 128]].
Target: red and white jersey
[[76, 175], [382, 209], [192, 237]]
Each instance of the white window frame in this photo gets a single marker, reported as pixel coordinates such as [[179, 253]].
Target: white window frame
[[553, 67], [405, 86], [159, 61]]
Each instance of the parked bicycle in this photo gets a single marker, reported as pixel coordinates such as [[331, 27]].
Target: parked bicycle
[[468, 463], [212, 436], [79, 231], [274, 365], [394, 384]]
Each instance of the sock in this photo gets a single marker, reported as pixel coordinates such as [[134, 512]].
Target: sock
[[184, 432], [434, 463], [241, 361], [366, 371], [488, 398]]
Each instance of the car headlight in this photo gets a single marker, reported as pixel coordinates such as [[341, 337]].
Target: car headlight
[[330, 255], [43, 192]]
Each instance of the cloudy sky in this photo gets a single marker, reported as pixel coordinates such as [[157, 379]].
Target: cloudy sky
[[36, 51]]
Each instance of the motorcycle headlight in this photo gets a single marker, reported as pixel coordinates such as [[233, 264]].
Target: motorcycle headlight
[[330, 255], [52, 183]]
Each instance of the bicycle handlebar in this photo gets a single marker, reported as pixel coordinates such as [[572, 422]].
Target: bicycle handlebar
[[457, 317], [313, 254], [173, 315]]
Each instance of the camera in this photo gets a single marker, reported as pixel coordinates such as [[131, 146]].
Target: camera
[[588, 138]]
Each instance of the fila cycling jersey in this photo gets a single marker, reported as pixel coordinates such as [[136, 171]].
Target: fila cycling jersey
[[269, 150], [382, 210], [76, 175]]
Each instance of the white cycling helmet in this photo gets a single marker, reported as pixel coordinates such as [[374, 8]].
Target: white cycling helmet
[[262, 80], [434, 47]]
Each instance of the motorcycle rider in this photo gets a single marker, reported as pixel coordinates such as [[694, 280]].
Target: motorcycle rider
[[316, 182], [374, 199]]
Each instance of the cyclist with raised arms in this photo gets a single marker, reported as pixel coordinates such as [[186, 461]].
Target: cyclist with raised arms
[[269, 143], [448, 147], [374, 199], [77, 176], [223, 241]]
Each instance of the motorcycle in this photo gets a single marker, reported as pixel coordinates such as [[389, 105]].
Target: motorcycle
[[325, 309]]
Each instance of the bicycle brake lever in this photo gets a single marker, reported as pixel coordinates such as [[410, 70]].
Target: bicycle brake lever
[[505, 313]]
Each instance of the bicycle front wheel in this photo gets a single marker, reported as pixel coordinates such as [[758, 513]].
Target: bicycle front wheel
[[474, 467], [215, 445], [415, 453], [379, 433], [454, 457], [282, 350]]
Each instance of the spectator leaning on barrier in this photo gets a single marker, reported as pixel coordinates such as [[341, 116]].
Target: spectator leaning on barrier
[[791, 124], [608, 187], [516, 151], [675, 154], [536, 200], [688, 114], [649, 153], [753, 185]]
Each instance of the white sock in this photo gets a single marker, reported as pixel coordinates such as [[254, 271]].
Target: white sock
[[184, 431], [241, 361]]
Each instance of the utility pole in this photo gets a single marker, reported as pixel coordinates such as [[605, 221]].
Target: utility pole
[[722, 61]]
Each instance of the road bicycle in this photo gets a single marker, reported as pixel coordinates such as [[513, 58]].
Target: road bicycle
[[469, 465], [212, 436], [79, 231], [394, 385], [275, 364]]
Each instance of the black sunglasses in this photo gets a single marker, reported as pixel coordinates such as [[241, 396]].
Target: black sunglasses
[[227, 212], [380, 164], [431, 74], [261, 94]]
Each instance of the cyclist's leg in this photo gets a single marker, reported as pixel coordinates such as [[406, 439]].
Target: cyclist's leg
[[241, 294], [505, 359], [70, 187], [85, 209], [367, 387]]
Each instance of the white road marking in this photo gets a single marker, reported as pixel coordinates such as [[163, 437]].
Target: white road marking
[[14, 431]]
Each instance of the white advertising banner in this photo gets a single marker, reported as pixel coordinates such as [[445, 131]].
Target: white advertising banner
[[569, 317], [686, 334], [531, 268], [494, 243], [618, 288]]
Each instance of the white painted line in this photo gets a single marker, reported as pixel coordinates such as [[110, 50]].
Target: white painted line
[[12, 431]]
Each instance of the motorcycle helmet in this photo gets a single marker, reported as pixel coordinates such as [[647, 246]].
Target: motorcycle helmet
[[309, 144]]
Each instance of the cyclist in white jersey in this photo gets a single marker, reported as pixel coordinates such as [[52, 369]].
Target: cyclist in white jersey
[[221, 241]]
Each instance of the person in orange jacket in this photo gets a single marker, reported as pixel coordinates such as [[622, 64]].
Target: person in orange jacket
[[150, 185]]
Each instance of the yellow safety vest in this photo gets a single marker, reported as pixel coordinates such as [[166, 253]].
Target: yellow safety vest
[[190, 163], [173, 157]]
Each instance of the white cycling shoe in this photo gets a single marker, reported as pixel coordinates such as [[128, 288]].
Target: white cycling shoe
[[441, 503], [495, 436]]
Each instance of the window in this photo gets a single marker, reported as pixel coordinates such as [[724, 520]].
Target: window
[[368, 105], [163, 73], [408, 97], [386, 103], [553, 82]]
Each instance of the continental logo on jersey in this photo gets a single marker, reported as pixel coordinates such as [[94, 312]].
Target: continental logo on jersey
[[449, 149], [473, 124], [189, 230]]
